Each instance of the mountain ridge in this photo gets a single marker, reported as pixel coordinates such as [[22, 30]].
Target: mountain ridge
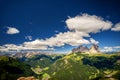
[[86, 67], [94, 49]]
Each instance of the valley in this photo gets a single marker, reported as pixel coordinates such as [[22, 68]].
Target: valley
[[73, 66]]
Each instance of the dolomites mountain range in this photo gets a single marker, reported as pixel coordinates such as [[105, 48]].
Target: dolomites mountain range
[[93, 49]]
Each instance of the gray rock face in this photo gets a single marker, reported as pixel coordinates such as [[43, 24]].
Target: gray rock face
[[81, 49], [93, 49]]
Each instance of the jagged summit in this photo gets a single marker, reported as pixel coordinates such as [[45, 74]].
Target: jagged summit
[[93, 49], [81, 48]]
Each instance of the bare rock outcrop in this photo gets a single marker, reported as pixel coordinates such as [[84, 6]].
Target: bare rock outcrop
[[94, 49], [84, 49], [80, 49]]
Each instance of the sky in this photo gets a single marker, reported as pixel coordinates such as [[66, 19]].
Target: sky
[[59, 25]]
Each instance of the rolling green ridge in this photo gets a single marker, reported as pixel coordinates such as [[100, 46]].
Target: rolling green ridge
[[11, 69], [41, 60], [77, 66], [74, 66]]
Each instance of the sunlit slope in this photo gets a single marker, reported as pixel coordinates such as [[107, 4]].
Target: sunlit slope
[[41, 60], [77, 66]]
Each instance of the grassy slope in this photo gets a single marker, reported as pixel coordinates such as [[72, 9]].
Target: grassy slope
[[74, 66], [77, 66], [11, 69], [42, 60]]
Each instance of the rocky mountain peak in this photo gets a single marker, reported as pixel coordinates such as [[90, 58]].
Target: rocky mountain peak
[[93, 49], [81, 48]]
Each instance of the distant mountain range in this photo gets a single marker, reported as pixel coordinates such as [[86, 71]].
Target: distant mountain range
[[24, 54], [94, 49], [82, 63]]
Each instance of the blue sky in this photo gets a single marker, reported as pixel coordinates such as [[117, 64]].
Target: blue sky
[[25, 22]]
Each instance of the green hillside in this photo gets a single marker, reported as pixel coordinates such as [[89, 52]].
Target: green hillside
[[41, 60], [11, 69], [77, 66], [74, 66]]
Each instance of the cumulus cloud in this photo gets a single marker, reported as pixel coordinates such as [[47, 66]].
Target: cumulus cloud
[[71, 38], [12, 30], [88, 23], [13, 47], [116, 27], [107, 49], [28, 37], [117, 47], [111, 49], [93, 41], [79, 28]]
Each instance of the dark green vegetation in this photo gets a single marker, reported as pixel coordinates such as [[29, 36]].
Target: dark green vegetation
[[71, 67], [11, 69], [101, 62], [77, 66], [74, 66], [41, 60]]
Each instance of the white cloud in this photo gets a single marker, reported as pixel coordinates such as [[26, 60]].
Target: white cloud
[[107, 49], [71, 38], [79, 28], [28, 37], [116, 27], [117, 47], [93, 41], [88, 23], [111, 49], [12, 30], [9, 47]]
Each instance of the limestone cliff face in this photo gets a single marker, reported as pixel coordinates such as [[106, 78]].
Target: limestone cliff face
[[81, 49], [93, 49]]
